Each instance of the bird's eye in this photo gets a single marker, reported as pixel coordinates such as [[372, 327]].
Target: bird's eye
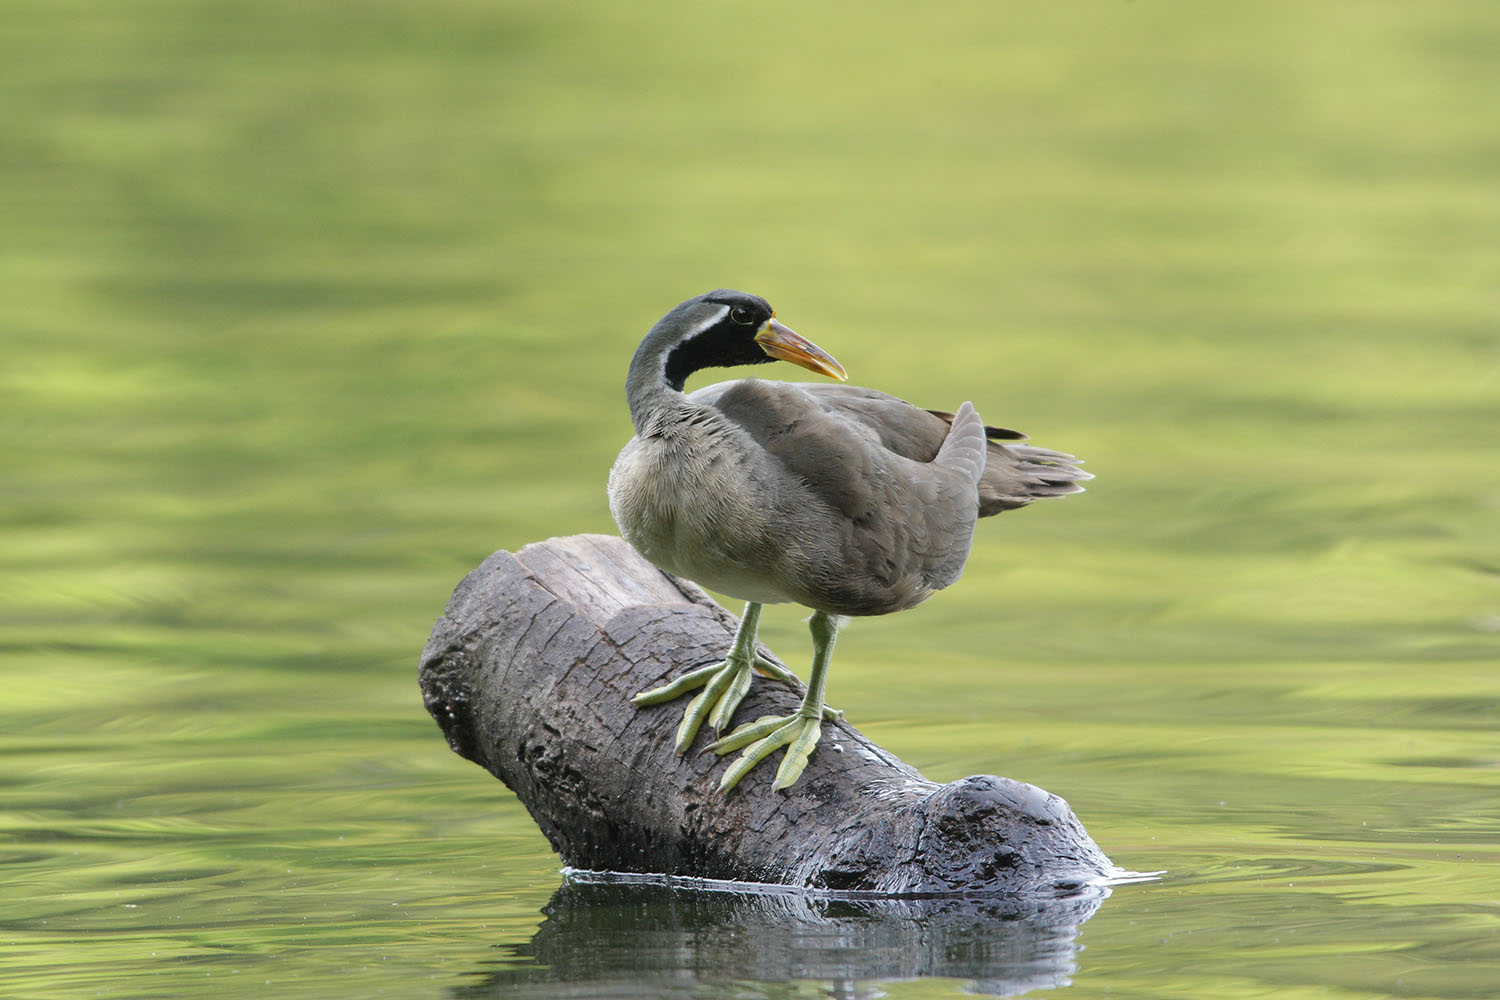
[[742, 316]]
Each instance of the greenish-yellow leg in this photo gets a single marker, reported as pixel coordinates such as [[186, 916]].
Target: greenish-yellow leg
[[724, 684], [798, 732]]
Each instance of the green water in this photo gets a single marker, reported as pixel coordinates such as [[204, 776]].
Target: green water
[[307, 307]]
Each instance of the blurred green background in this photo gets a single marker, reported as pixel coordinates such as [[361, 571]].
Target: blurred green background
[[306, 307]]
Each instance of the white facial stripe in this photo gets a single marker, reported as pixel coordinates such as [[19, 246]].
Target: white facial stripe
[[712, 321]]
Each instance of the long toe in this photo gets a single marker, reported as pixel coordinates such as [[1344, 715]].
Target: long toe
[[723, 685], [797, 754], [734, 693], [691, 681], [750, 732], [763, 737]]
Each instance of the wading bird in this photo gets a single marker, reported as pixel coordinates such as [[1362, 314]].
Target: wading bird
[[843, 499]]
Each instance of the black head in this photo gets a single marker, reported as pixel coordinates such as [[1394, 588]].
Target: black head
[[716, 330], [725, 328]]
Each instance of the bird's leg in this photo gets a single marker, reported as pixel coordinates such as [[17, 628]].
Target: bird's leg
[[724, 684], [776, 671], [798, 732]]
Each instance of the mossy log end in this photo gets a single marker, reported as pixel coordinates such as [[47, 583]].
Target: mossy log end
[[530, 672]]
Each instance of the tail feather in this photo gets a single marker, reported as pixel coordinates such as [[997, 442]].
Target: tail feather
[[1017, 474], [964, 449]]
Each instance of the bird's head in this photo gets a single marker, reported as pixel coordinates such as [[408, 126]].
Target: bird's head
[[725, 328]]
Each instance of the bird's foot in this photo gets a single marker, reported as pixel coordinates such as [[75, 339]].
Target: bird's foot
[[798, 732], [724, 686]]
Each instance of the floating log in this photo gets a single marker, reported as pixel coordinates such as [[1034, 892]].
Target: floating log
[[530, 672]]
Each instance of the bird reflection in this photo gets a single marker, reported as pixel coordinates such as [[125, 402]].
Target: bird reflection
[[605, 939]]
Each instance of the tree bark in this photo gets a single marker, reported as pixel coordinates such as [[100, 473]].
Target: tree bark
[[530, 672]]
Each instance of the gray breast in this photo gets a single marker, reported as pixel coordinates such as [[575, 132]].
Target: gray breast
[[696, 502]]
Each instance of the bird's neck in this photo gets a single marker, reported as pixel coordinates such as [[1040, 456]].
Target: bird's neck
[[655, 403]]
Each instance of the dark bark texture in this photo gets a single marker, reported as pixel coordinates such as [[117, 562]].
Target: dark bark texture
[[530, 672]]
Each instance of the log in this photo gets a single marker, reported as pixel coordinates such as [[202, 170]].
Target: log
[[530, 671]]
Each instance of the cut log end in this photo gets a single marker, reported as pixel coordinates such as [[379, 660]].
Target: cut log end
[[530, 672]]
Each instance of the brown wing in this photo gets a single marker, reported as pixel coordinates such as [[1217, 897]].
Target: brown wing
[[895, 510], [1014, 475]]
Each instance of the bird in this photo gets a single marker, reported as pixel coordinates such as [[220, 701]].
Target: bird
[[843, 499]]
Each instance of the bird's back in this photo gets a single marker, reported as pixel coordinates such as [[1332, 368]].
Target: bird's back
[[875, 499]]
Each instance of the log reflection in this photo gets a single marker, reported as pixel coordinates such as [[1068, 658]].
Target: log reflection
[[613, 939]]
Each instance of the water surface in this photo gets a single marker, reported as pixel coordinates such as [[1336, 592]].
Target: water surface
[[307, 307]]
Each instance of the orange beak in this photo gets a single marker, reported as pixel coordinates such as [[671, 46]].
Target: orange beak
[[785, 344]]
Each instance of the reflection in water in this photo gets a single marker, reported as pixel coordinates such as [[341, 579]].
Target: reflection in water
[[610, 939]]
